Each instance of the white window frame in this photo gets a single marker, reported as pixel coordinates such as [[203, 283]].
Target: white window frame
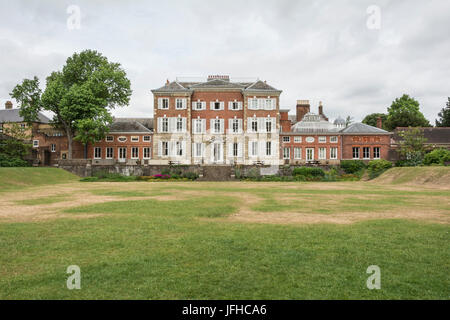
[[322, 153], [109, 139], [297, 153], [122, 139], [366, 153], [146, 153], [179, 148], [286, 153], [254, 125], [297, 139], [322, 139], [163, 103], [180, 103], [147, 138], [106, 152], [376, 152], [164, 125], [133, 149], [134, 138], [217, 126], [253, 152], [53, 147], [286, 139], [333, 153], [353, 152], [268, 125], [35, 143], [333, 139], [96, 151], [268, 148], [179, 125], [165, 149]]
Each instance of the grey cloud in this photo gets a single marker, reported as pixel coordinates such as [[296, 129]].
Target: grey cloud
[[317, 50]]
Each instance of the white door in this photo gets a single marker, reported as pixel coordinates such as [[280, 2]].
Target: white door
[[122, 154], [309, 154], [217, 152]]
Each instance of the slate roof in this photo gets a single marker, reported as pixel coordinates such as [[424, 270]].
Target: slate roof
[[433, 135], [173, 86], [176, 86], [146, 122], [363, 128], [12, 115], [124, 126]]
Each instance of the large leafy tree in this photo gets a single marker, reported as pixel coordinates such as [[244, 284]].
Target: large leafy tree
[[412, 145], [372, 119], [80, 96], [444, 116], [405, 112]]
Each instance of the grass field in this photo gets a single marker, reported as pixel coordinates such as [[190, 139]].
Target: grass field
[[235, 240]]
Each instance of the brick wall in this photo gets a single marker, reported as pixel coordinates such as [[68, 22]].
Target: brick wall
[[361, 141]]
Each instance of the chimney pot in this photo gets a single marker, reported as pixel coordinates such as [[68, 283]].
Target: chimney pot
[[8, 105]]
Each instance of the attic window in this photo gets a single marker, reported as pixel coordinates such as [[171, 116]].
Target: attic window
[[122, 139], [134, 139], [109, 138], [147, 139]]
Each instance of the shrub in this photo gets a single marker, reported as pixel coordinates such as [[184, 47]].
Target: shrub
[[306, 171], [254, 173], [12, 162], [190, 175], [165, 171], [437, 156], [377, 167], [352, 166]]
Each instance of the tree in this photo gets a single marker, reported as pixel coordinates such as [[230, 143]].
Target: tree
[[80, 96], [372, 119], [14, 146], [348, 121], [404, 112], [444, 116], [412, 145]]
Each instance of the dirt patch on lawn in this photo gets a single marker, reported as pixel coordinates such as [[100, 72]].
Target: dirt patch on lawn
[[342, 218]]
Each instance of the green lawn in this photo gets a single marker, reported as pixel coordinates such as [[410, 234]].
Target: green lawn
[[188, 248]]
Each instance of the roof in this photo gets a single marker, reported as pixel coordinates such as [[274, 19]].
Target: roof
[[125, 126], [173, 86], [363, 128], [440, 135], [257, 86], [12, 115], [314, 123], [146, 122]]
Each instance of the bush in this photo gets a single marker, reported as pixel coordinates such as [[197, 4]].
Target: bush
[[12, 162], [306, 171], [352, 166], [437, 156], [190, 175], [254, 173], [377, 167]]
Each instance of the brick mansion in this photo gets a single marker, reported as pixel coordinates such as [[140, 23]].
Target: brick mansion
[[216, 122]]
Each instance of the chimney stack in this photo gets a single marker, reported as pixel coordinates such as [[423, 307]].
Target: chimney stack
[[303, 107], [379, 123], [321, 111], [8, 105]]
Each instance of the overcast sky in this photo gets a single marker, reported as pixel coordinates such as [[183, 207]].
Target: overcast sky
[[316, 50]]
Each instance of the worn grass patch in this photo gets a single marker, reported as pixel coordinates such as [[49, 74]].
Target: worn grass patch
[[43, 200]]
